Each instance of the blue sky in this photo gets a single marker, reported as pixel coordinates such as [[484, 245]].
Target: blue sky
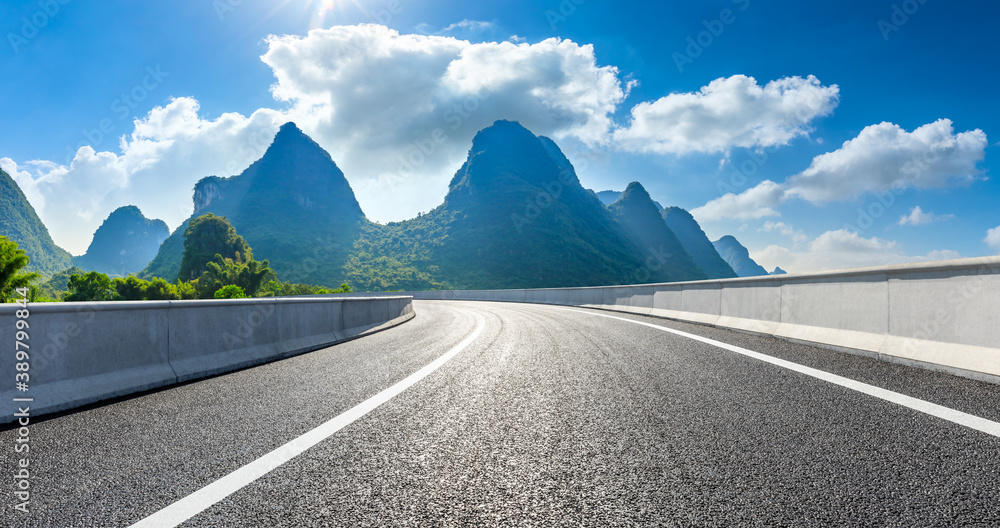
[[760, 109]]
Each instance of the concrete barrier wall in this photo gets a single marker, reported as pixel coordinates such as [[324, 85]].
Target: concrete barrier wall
[[82, 353], [943, 315]]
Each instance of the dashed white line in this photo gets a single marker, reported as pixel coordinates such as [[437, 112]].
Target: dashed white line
[[199, 501], [933, 409]]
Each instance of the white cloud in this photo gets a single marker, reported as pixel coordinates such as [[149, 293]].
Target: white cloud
[[25, 182], [372, 97], [881, 159], [993, 238], [757, 202], [168, 151], [917, 217], [729, 112], [841, 249], [468, 25], [797, 236], [885, 157]]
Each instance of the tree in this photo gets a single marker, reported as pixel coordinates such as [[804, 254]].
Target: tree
[[276, 288], [131, 288], [208, 236], [92, 286], [12, 261], [222, 272], [231, 292]]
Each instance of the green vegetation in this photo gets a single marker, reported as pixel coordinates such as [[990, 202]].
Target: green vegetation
[[207, 237], [12, 261], [231, 291], [96, 286], [293, 206], [21, 224], [92, 286], [222, 278], [286, 289], [248, 276], [57, 286]]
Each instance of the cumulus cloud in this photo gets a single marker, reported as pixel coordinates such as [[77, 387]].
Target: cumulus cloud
[[168, 151], [841, 249], [729, 112], [757, 202], [396, 112], [917, 217], [882, 158], [885, 156], [993, 238], [468, 25], [796, 235], [25, 182]]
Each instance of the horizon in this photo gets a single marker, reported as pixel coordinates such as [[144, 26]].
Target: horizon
[[860, 139]]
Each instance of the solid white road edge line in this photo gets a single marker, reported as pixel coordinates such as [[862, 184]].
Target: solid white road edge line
[[199, 501], [933, 409]]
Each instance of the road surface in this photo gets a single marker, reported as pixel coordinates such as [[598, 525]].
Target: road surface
[[497, 414]]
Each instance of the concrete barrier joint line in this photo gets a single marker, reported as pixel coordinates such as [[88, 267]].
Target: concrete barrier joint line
[[170, 362]]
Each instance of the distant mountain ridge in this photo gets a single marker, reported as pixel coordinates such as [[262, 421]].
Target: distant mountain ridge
[[20, 223], [124, 244], [610, 197], [293, 206], [738, 257], [640, 217], [697, 243], [515, 216]]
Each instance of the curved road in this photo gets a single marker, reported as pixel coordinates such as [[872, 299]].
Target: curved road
[[532, 416]]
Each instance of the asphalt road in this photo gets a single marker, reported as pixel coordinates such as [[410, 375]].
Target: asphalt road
[[548, 417]]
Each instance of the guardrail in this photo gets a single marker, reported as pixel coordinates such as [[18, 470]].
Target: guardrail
[[81, 353], [942, 315]]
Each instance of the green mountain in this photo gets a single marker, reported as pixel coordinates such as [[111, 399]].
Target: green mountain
[[696, 243], [610, 197], [124, 244], [293, 206], [738, 257], [515, 216], [640, 217], [20, 223]]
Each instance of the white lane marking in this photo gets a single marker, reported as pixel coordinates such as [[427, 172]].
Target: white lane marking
[[933, 409], [199, 501]]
